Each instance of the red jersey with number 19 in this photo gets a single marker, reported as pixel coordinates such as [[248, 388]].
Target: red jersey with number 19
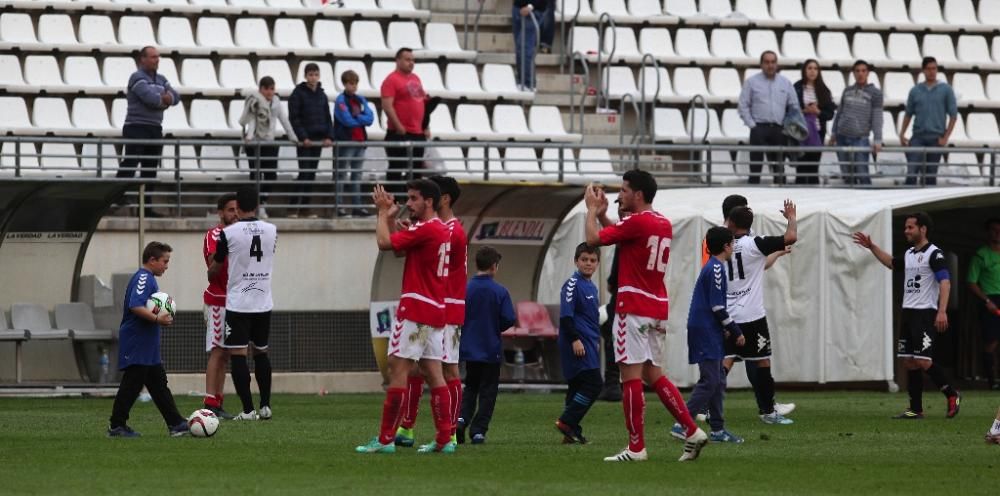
[[643, 241], [424, 282], [457, 274], [215, 293]]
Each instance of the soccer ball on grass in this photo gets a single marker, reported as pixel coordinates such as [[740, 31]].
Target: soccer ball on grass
[[203, 423]]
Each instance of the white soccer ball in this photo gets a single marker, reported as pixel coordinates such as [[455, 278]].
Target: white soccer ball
[[160, 302], [203, 423]]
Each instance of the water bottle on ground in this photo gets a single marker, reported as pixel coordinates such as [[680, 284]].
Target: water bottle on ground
[[105, 372], [519, 365]]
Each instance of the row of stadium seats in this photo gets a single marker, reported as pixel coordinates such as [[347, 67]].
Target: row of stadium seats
[[220, 162], [213, 34], [367, 8], [83, 73], [32, 322], [728, 46], [724, 84], [887, 15], [89, 116], [671, 125]]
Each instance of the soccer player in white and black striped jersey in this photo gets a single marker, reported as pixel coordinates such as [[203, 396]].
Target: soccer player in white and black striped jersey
[[925, 304], [249, 246]]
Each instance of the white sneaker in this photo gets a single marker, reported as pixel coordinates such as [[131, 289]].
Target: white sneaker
[[247, 416], [265, 413], [784, 409], [774, 418], [693, 445], [628, 455]]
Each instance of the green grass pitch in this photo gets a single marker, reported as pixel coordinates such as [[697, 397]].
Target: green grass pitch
[[841, 443]]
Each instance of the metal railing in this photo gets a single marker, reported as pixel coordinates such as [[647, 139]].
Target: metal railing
[[602, 93], [567, 41], [525, 65], [479, 15], [191, 173], [574, 112]]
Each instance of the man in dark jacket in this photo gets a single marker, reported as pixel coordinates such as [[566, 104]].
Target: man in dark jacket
[[309, 111], [148, 94]]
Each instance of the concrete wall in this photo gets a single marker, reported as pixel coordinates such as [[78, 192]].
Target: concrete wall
[[320, 265]]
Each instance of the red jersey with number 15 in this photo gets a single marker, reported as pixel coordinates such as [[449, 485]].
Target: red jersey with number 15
[[643, 241], [215, 293], [424, 282], [457, 274]]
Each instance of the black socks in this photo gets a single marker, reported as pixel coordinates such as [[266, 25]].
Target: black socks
[[240, 372], [262, 371]]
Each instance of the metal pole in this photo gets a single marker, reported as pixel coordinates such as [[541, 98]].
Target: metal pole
[[142, 220]]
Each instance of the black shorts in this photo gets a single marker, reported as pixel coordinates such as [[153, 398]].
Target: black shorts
[[991, 322], [916, 335], [758, 342], [245, 328]]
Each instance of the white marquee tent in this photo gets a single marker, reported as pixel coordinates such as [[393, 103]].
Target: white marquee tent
[[829, 302]]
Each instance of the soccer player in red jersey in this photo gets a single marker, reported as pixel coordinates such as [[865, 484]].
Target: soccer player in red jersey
[[643, 240], [215, 310], [455, 275], [418, 331]]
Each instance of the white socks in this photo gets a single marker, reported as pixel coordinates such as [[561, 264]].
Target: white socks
[[995, 430]]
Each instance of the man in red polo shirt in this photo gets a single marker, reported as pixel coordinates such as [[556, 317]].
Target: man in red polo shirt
[[403, 100]]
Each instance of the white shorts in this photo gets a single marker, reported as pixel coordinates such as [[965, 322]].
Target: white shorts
[[215, 326], [415, 341], [639, 339], [452, 338]]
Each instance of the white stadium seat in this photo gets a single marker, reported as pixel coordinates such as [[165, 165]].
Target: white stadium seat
[[51, 114], [476, 160], [291, 34], [119, 107], [188, 159], [940, 47], [649, 10], [473, 120], [982, 127], [380, 71], [252, 33], [668, 125], [623, 41], [15, 114], [326, 76], [789, 11], [175, 119], [17, 29], [136, 31], [926, 13], [108, 161], [498, 79], [620, 81], [442, 126], [521, 164], [859, 12], [993, 87], [727, 44], [330, 35], [10, 71], [61, 158], [397, 5], [595, 164], [798, 45], [891, 12], [692, 43], [897, 86], [214, 32], [579, 8], [168, 70], [509, 121], [962, 169], [277, 69], [616, 8], [56, 29], [367, 37], [82, 72], [28, 152], [715, 8], [733, 126], [217, 160], [988, 11], [175, 32], [869, 47], [430, 78], [822, 11], [700, 121], [97, 30], [364, 82], [902, 48], [761, 40], [657, 42], [835, 82], [960, 12], [585, 40], [441, 38], [236, 74], [464, 79], [42, 70], [448, 159], [198, 73], [755, 10], [724, 83], [832, 47], [208, 116], [690, 81], [546, 123], [116, 71], [551, 163], [235, 112], [403, 34], [972, 49], [969, 88], [90, 114], [890, 133], [653, 77], [682, 8]]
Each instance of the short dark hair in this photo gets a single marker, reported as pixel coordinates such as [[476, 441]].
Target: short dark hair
[[246, 199], [266, 82], [927, 60], [224, 199], [155, 250], [923, 219], [585, 248], [731, 202], [861, 62], [142, 52], [487, 257], [765, 54], [311, 67], [717, 238], [449, 186], [349, 76], [741, 217], [427, 189], [640, 180], [401, 51]]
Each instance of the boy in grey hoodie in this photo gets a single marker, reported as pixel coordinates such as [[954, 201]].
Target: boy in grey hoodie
[[262, 111], [860, 114]]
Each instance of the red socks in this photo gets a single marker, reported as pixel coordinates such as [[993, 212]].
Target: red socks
[[634, 404], [414, 389], [213, 401], [674, 402], [455, 388], [391, 414], [441, 409]]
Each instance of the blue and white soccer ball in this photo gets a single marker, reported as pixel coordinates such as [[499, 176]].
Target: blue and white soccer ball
[[203, 423], [161, 302]]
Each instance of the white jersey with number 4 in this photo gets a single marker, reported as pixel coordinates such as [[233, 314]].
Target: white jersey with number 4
[[250, 247], [745, 298]]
